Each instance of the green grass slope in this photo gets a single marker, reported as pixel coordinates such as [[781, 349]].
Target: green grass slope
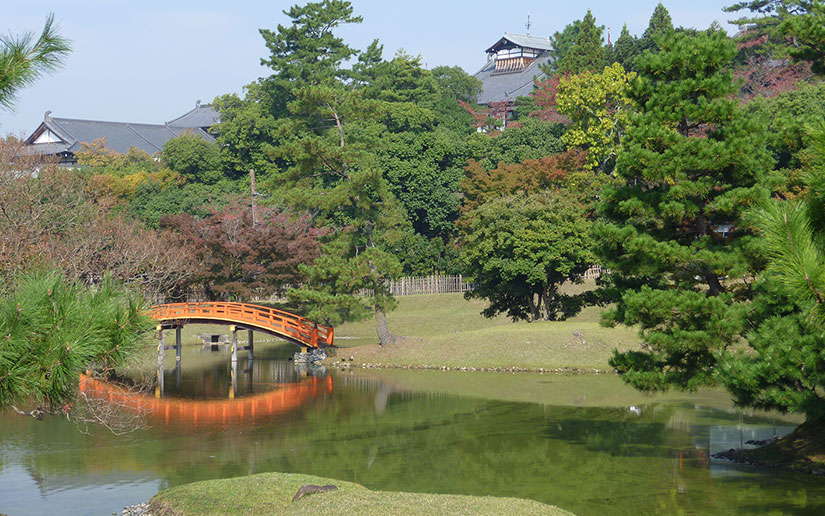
[[271, 493]]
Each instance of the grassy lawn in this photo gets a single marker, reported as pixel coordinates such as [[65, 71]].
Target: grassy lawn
[[445, 330], [271, 493]]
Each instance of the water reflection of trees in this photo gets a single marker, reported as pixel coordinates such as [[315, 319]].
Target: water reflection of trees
[[585, 460], [617, 431]]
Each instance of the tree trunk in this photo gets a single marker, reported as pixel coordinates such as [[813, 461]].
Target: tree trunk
[[535, 306], [384, 335], [712, 279], [549, 295]]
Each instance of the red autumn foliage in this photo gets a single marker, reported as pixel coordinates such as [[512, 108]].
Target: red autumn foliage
[[486, 119], [544, 97], [532, 175], [237, 260], [765, 76]]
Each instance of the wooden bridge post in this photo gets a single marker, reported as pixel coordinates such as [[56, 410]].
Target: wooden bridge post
[[178, 345], [234, 330], [161, 348], [251, 346]]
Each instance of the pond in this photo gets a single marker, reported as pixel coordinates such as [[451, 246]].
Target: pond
[[585, 443]]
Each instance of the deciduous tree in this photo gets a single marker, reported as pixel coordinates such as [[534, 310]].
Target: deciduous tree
[[241, 260], [598, 107], [520, 249]]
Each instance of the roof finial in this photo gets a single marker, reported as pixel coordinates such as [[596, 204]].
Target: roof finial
[[528, 24], [47, 115], [198, 103]]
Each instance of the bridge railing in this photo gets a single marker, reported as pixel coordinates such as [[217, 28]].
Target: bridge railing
[[290, 325]]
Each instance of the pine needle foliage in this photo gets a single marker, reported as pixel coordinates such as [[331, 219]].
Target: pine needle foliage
[[24, 58], [783, 366], [690, 166], [52, 330]]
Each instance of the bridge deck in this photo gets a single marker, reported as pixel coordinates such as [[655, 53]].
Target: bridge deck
[[283, 324]]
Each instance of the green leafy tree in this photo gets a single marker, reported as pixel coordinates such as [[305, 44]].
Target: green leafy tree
[[520, 249], [246, 131], [786, 115], [154, 198], [194, 158], [24, 58], [599, 110], [532, 139], [587, 52], [673, 234], [54, 330]]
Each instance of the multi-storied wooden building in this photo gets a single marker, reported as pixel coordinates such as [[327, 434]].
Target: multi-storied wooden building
[[512, 64]]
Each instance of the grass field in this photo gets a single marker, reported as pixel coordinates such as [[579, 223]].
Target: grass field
[[445, 330], [271, 493]]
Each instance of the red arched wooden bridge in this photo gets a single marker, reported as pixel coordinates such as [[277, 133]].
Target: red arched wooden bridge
[[251, 317]]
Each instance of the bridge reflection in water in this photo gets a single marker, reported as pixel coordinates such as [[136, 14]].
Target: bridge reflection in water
[[279, 398]]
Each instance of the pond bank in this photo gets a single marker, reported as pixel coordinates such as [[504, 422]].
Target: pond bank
[[801, 451]]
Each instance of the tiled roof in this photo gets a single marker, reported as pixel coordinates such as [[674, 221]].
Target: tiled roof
[[508, 86], [120, 136], [521, 40], [203, 116]]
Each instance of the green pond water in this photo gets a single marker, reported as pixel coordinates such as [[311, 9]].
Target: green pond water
[[585, 443]]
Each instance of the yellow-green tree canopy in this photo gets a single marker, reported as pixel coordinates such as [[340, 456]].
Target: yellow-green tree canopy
[[598, 106]]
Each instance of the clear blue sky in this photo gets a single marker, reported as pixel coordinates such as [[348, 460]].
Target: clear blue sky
[[149, 61]]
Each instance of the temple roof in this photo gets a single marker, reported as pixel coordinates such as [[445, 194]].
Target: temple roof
[[520, 40], [203, 116], [508, 86], [66, 135]]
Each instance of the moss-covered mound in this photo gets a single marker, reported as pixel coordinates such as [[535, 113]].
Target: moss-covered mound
[[272, 493]]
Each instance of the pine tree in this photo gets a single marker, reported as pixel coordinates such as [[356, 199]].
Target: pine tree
[[625, 50], [327, 140], [674, 239], [23, 59], [587, 53], [561, 43], [307, 52], [782, 368], [54, 330], [660, 25]]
